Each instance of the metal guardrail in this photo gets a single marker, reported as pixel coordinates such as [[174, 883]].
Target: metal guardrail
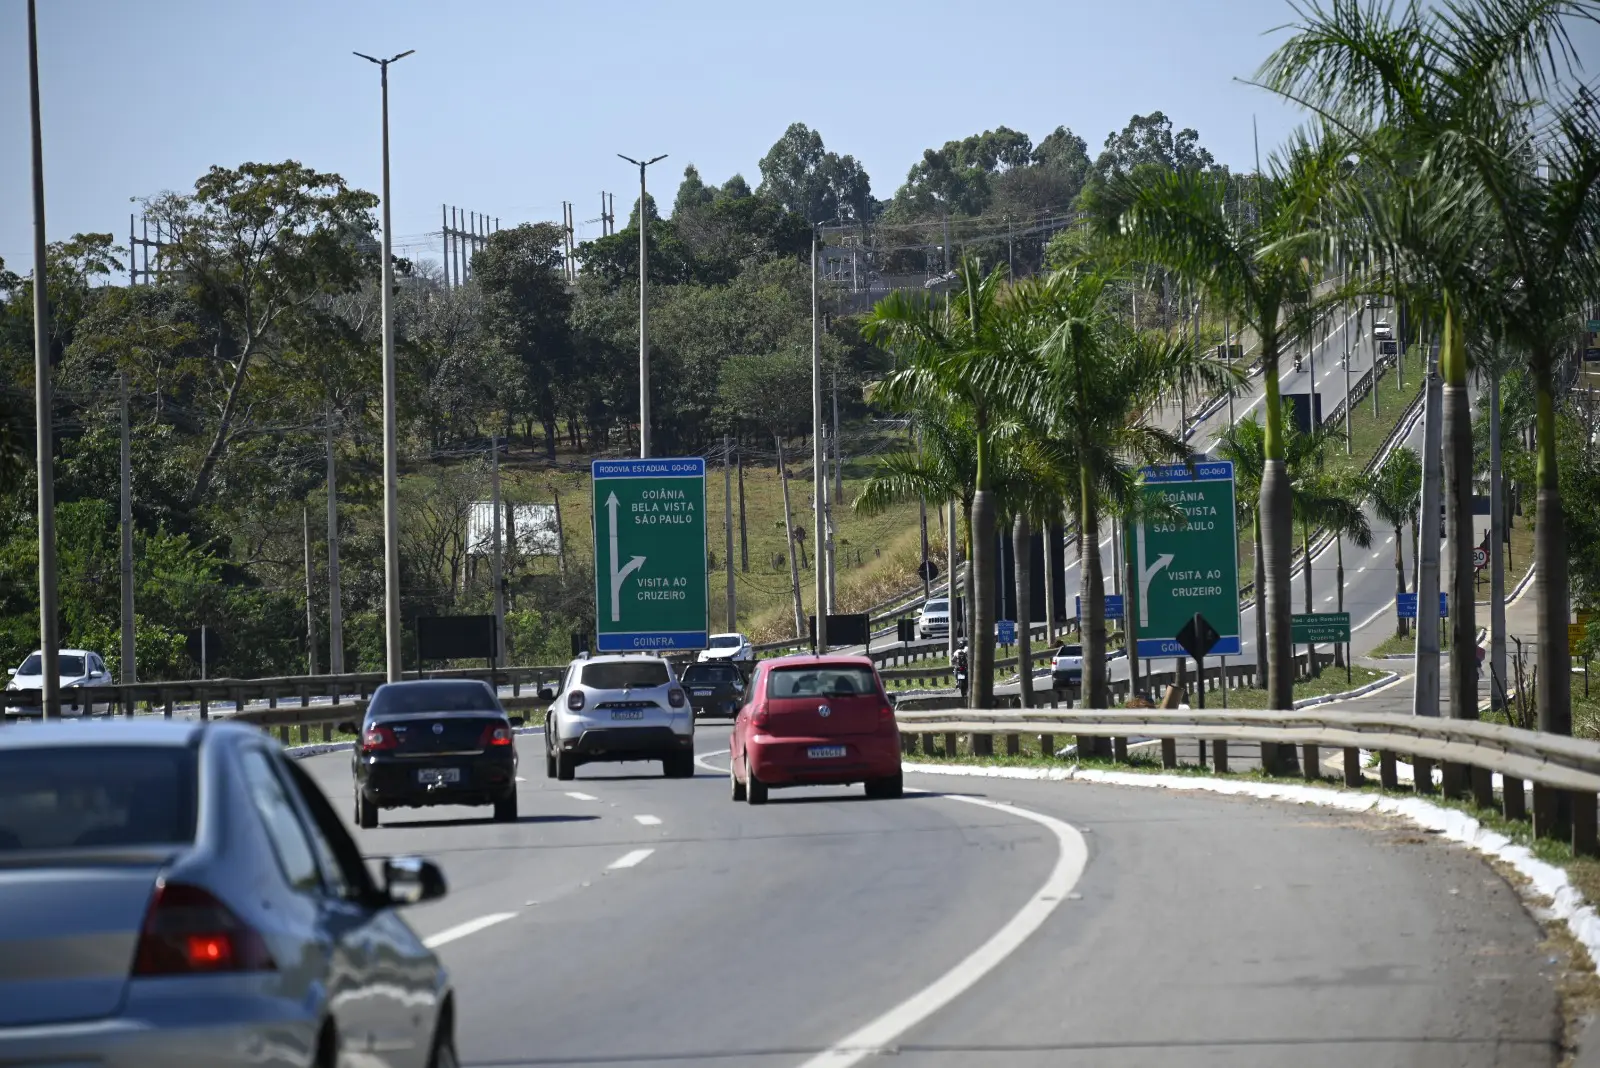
[[1470, 752]]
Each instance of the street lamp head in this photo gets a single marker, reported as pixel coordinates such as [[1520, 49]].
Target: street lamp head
[[630, 159], [642, 164], [384, 62]]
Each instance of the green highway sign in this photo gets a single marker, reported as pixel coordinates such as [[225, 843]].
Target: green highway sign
[[1594, 326], [650, 554], [1190, 564], [1319, 628]]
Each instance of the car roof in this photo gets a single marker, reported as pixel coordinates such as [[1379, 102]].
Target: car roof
[[65, 652], [620, 658], [815, 660], [139, 731], [431, 684]]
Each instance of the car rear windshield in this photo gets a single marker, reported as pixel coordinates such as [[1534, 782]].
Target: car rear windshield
[[710, 673], [841, 681], [70, 666], [80, 797], [725, 641], [938, 606], [626, 674], [1070, 650], [406, 697]]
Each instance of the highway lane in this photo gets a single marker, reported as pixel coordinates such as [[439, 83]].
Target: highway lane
[[1202, 930]]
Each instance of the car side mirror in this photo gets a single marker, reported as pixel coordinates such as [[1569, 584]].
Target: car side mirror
[[412, 880], [347, 727], [11, 671], [546, 694], [517, 721]]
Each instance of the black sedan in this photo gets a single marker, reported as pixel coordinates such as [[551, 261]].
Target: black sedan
[[435, 742], [714, 689]]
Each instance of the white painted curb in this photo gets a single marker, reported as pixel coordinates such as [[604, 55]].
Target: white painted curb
[[1549, 894], [1347, 695]]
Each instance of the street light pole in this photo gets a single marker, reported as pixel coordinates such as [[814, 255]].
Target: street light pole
[[391, 462], [819, 461], [49, 666], [644, 308]]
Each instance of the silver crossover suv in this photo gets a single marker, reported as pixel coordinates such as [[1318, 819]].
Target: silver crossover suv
[[182, 895], [624, 707]]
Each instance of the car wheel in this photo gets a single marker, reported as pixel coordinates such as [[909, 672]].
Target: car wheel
[[735, 787], [505, 810], [889, 788], [755, 790], [566, 767], [366, 812], [678, 766]]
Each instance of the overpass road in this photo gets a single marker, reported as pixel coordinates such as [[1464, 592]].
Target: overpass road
[[632, 920]]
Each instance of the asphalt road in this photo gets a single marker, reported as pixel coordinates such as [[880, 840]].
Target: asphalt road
[[632, 920]]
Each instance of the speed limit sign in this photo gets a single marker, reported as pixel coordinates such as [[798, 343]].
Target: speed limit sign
[[1480, 558]]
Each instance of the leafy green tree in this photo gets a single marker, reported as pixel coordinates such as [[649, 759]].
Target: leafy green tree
[[800, 174], [1395, 494]]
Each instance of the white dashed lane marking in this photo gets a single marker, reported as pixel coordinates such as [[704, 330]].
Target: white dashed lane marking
[[578, 795], [462, 930], [649, 821], [629, 860]]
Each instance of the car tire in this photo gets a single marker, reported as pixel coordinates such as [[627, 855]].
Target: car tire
[[549, 764], [366, 812], [678, 766], [887, 789], [735, 787], [505, 809], [566, 767], [755, 791]]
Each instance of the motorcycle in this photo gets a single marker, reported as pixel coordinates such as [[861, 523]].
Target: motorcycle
[[960, 668], [1297, 363]]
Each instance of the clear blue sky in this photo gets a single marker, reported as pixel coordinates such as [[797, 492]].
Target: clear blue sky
[[510, 107]]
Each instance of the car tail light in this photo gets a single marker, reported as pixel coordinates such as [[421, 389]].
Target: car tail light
[[495, 734], [187, 931], [575, 700], [378, 738], [886, 716], [760, 720], [675, 698]]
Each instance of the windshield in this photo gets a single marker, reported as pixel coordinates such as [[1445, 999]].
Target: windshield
[[626, 674], [442, 696], [724, 641], [68, 666], [937, 606], [1070, 650], [703, 673], [76, 797], [841, 681]]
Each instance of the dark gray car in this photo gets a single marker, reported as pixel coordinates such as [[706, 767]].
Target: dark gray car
[[181, 894], [715, 689]]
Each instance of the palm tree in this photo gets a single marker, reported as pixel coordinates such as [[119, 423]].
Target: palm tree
[[1240, 262], [1395, 493], [953, 357], [1442, 102], [1089, 388], [1323, 500], [1244, 444]]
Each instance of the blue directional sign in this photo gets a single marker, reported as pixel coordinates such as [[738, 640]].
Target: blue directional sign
[[1113, 606], [1405, 605], [1005, 632]]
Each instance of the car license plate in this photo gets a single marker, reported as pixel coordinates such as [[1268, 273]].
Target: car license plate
[[825, 752], [631, 713], [702, 693], [439, 775]]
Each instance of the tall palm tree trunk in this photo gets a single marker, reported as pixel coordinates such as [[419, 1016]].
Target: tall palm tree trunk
[[1305, 575], [981, 640], [1550, 565], [1338, 579], [1022, 554], [1092, 595], [1458, 469], [1046, 537], [1277, 554], [1400, 628], [1261, 601]]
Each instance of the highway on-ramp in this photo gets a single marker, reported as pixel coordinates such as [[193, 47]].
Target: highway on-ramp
[[627, 919]]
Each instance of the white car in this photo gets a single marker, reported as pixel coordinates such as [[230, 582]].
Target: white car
[[724, 647], [618, 708], [934, 619], [1382, 331], [1066, 667], [76, 667]]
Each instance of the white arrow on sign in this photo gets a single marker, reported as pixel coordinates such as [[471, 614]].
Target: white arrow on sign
[[617, 576], [1146, 574]]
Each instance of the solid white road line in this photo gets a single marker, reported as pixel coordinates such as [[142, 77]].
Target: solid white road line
[[461, 930], [649, 821], [629, 860], [879, 1035], [580, 796]]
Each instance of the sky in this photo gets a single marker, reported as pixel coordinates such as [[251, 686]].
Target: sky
[[510, 107]]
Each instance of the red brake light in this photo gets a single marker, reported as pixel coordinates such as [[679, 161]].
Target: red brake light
[[575, 700], [495, 734], [759, 721], [188, 931], [378, 738]]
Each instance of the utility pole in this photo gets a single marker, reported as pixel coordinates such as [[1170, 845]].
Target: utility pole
[[1227, 357], [949, 260], [950, 579], [922, 520], [788, 538], [49, 651], [819, 467], [744, 541], [129, 671], [1425, 700], [496, 572], [335, 597], [727, 529], [644, 308], [311, 604], [391, 460]]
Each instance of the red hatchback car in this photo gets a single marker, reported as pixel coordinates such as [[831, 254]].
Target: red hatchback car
[[815, 721]]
